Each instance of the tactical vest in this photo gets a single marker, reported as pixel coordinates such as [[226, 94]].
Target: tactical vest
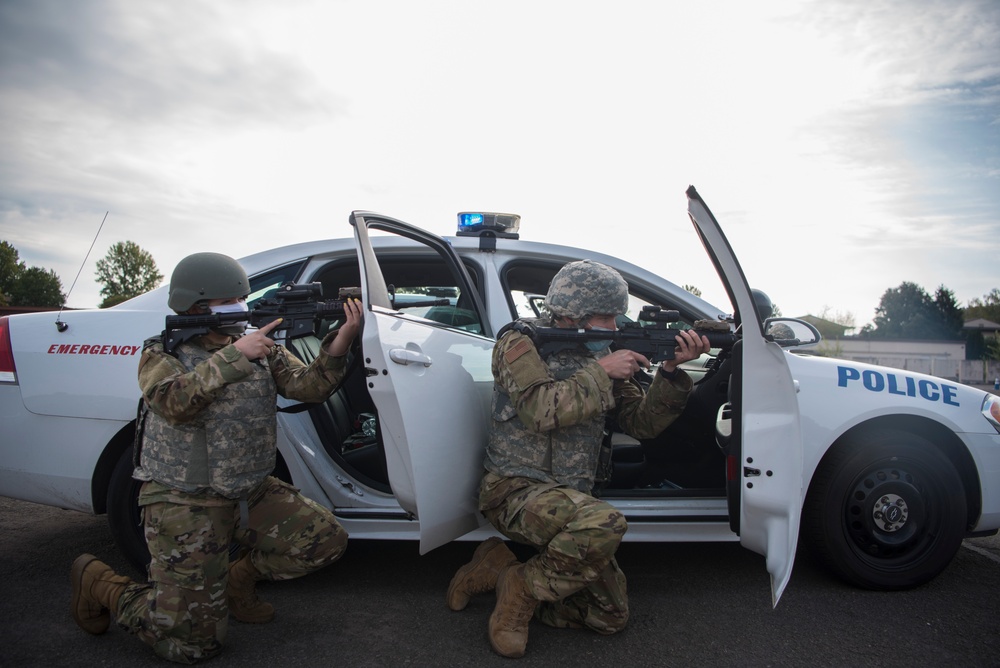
[[228, 448], [567, 455]]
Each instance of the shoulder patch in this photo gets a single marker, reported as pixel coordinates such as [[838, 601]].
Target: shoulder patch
[[152, 341], [516, 350]]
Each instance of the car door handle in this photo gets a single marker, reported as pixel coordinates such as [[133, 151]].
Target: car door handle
[[405, 356]]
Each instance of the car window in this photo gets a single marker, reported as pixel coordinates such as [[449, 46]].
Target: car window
[[420, 286], [266, 284], [528, 282]]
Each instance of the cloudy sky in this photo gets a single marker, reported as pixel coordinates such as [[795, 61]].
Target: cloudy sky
[[846, 146]]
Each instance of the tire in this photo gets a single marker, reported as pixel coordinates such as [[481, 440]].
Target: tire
[[886, 512], [124, 514]]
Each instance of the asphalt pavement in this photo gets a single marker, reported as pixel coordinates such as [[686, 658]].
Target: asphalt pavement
[[383, 605]]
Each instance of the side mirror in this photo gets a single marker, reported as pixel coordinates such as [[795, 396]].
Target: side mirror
[[791, 333]]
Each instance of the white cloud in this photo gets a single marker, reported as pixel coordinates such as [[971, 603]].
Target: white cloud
[[845, 146]]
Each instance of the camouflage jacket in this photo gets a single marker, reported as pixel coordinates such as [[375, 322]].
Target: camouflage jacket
[[548, 415], [211, 422]]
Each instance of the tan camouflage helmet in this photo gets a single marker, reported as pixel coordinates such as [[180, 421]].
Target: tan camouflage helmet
[[206, 276], [585, 288]]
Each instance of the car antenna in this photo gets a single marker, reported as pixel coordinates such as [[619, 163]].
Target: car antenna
[[63, 326]]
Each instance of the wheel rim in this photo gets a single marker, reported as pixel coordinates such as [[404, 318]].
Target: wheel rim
[[889, 513]]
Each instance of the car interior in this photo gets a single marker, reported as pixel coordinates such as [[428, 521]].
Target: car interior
[[682, 461]]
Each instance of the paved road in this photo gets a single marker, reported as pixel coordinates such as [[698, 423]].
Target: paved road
[[383, 605]]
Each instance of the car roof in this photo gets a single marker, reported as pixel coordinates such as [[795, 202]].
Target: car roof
[[506, 250]]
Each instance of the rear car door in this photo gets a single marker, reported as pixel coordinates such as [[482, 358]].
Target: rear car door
[[430, 381], [765, 467]]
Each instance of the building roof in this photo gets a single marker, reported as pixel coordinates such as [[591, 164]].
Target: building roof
[[828, 329], [982, 324]]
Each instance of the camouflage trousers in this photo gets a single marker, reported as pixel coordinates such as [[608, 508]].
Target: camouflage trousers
[[574, 574], [183, 612]]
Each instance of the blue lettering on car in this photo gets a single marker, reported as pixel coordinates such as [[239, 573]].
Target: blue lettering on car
[[876, 381]]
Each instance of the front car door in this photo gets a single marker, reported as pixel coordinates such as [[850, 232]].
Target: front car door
[[430, 381], [766, 448]]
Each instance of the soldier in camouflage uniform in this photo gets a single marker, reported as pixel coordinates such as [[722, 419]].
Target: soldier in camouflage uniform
[[548, 420], [207, 451]]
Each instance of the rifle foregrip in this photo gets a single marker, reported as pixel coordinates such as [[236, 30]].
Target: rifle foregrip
[[718, 339]]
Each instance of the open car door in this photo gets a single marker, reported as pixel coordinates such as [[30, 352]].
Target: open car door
[[765, 467], [430, 382]]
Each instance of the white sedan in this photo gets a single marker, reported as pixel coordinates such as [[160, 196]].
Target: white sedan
[[882, 471]]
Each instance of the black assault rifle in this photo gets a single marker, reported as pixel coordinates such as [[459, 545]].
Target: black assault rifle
[[299, 306], [649, 336]]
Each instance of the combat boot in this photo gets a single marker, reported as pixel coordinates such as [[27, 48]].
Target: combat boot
[[96, 591], [510, 618], [480, 574], [241, 591]]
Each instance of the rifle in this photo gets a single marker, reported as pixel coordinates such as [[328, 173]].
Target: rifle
[[649, 336], [300, 306]]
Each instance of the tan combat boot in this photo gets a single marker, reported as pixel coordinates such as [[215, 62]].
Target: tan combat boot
[[96, 591], [241, 591], [480, 574], [510, 618]]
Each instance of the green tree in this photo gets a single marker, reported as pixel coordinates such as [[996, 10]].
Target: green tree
[[125, 272], [978, 346], [908, 312], [992, 349], [37, 287], [10, 269], [987, 308], [950, 312], [843, 318]]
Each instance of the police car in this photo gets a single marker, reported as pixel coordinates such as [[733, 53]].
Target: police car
[[881, 471]]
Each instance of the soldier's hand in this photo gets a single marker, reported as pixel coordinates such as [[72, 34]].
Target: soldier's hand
[[257, 345], [623, 364], [690, 346], [342, 342]]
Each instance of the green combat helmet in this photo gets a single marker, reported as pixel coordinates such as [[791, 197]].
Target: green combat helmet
[[763, 304], [206, 276], [585, 288]]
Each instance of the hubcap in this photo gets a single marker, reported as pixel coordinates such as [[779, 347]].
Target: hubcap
[[890, 512], [884, 512]]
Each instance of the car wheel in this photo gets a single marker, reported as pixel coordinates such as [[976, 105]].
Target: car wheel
[[124, 514], [886, 511]]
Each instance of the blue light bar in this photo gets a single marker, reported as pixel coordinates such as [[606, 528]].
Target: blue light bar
[[467, 220], [477, 223]]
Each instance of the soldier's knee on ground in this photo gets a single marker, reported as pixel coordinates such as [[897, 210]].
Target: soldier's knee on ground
[[585, 610], [188, 651], [611, 624]]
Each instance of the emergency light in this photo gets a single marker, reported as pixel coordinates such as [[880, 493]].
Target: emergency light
[[488, 226], [475, 224]]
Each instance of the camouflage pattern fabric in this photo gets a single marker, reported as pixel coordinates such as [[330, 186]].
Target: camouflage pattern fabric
[[564, 438], [182, 613], [179, 394], [541, 459], [548, 415], [212, 411], [586, 288], [574, 575], [229, 446]]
